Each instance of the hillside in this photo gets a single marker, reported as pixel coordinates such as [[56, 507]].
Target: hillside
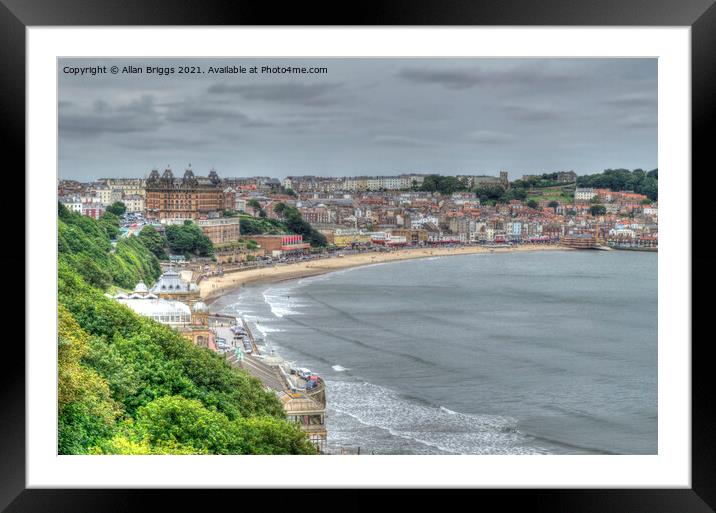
[[638, 181], [129, 385]]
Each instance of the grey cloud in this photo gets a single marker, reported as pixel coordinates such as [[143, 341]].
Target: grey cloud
[[639, 121], [288, 92], [200, 112], [402, 141], [367, 116], [136, 116], [536, 114], [489, 137], [153, 143], [464, 78], [635, 100]]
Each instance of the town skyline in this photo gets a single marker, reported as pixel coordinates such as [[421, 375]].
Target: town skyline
[[364, 117]]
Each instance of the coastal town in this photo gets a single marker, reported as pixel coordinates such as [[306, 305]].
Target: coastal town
[[381, 211], [262, 228]]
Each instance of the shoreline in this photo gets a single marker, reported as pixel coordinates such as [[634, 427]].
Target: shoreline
[[215, 286]]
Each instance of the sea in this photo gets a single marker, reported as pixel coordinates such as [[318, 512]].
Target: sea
[[544, 352]]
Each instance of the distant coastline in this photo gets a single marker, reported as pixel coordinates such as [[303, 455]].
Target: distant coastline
[[213, 287]]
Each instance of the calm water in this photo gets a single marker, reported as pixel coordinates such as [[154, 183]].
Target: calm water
[[542, 352]]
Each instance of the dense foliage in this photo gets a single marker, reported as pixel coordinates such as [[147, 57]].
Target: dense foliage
[[188, 239], [291, 222], [491, 194], [84, 244], [638, 181], [254, 226], [110, 223], [129, 385], [289, 192], [442, 184], [538, 181], [297, 224], [154, 241], [597, 210], [117, 208]]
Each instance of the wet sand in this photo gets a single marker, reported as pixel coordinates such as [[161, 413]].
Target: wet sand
[[217, 285]]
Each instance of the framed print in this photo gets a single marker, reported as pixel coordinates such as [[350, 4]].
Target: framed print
[[418, 248]]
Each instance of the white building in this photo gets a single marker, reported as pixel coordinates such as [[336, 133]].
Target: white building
[[72, 203], [584, 194], [133, 202], [102, 193], [171, 282], [165, 311]]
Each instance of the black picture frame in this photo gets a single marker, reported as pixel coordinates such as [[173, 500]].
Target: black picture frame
[[700, 15]]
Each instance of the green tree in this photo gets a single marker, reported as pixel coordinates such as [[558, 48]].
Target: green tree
[[175, 419], [442, 184], [533, 204], [154, 241], [84, 245], [490, 192], [296, 224], [553, 205], [117, 208], [188, 239], [86, 412], [638, 180], [597, 210], [129, 385], [110, 223], [279, 208], [254, 204]]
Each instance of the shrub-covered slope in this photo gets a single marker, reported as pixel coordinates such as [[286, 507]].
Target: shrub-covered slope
[[129, 385]]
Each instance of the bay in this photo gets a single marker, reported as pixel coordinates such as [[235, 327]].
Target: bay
[[549, 352]]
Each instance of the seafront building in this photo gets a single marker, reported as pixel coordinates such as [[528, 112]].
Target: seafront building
[[281, 245], [360, 211], [191, 320], [171, 285], [189, 197]]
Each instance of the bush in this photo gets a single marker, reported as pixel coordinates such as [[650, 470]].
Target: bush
[[129, 385], [188, 238]]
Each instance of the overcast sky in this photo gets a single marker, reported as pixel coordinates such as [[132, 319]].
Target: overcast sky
[[365, 116]]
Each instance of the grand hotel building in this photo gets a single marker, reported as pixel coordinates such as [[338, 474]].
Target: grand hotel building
[[189, 197]]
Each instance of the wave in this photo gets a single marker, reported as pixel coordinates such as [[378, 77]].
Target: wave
[[264, 330], [339, 368], [427, 425], [281, 303]]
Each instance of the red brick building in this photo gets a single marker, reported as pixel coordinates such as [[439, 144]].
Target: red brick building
[[190, 197], [281, 243]]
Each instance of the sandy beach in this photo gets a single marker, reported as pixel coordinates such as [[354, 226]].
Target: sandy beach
[[216, 285]]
